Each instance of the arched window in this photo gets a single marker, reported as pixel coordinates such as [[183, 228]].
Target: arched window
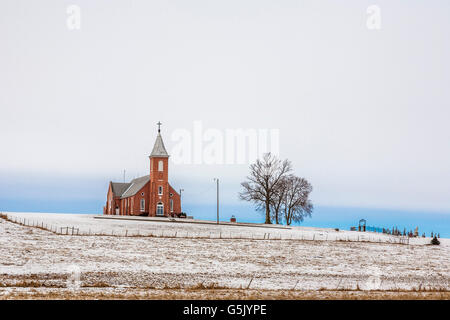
[[142, 205], [160, 165], [171, 205], [160, 209], [160, 190]]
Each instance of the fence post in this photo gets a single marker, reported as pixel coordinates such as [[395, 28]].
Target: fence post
[[250, 283]]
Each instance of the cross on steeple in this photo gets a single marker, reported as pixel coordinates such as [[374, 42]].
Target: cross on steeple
[[159, 126]]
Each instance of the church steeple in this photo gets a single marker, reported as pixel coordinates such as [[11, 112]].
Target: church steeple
[[160, 192], [159, 150]]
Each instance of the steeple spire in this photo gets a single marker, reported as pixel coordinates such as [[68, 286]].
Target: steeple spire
[[159, 150]]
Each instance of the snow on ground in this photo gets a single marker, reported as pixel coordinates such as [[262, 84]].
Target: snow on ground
[[121, 225], [31, 257]]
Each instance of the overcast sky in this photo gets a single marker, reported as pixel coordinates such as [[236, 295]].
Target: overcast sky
[[363, 114]]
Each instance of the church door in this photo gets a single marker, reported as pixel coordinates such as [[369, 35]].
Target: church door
[[160, 209]]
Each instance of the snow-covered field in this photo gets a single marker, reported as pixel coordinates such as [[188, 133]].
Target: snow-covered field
[[85, 224], [203, 256]]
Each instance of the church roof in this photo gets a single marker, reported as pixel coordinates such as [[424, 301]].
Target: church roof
[[135, 185], [119, 188], [158, 149]]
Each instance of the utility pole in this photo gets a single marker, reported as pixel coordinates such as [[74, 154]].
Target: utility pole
[[217, 181], [180, 198]]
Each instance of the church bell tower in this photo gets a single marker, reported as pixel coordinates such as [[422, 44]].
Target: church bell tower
[[159, 178]]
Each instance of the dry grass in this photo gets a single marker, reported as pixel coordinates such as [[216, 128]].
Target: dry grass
[[30, 284], [227, 294], [35, 289]]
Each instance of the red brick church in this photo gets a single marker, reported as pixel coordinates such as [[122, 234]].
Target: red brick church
[[150, 195]]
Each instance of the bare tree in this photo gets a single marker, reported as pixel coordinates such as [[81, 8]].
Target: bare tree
[[276, 203], [296, 205], [265, 176]]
